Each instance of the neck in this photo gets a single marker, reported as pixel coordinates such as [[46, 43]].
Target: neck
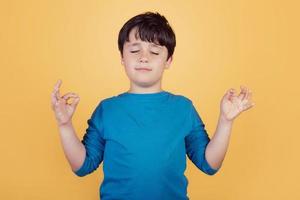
[[134, 88]]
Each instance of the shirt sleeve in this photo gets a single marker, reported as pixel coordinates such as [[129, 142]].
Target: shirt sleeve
[[93, 142], [196, 142]]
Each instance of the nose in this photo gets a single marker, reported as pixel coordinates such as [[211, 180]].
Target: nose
[[144, 56]]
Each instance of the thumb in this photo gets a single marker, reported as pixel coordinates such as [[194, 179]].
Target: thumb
[[229, 93]]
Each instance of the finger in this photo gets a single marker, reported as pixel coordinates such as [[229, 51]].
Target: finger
[[69, 95], [228, 92], [246, 93], [56, 89], [242, 93], [58, 84], [53, 93], [75, 102], [57, 94], [55, 103], [249, 95], [233, 93], [53, 98]]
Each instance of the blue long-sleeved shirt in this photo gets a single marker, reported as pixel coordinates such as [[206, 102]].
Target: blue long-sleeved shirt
[[143, 140]]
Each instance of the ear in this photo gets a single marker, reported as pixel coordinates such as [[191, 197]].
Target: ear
[[168, 62]]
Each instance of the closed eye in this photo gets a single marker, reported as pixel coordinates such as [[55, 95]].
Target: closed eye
[[138, 51]]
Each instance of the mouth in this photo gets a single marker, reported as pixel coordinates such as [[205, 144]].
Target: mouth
[[143, 69]]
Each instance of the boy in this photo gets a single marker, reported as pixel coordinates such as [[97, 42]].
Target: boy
[[144, 134]]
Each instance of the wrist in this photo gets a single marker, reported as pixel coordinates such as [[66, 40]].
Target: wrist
[[65, 125], [224, 121]]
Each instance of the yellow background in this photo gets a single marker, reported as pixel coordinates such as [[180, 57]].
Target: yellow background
[[220, 44]]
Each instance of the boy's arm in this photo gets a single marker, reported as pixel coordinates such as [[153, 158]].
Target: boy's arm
[[217, 147], [94, 144], [231, 106], [196, 142], [74, 150], [84, 156]]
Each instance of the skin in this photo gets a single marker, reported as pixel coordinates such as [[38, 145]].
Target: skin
[[62, 108], [136, 54], [231, 106], [74, 150]]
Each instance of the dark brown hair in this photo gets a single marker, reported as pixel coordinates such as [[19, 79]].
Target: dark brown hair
[[151, 27]]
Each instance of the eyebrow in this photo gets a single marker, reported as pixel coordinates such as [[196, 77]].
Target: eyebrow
[[139, 44]]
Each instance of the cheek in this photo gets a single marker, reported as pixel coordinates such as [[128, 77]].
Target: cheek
[[129, 65], [129, 60], [159, 64]]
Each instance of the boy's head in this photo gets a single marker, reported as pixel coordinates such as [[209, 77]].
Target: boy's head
[[146, 41], [151, 27]]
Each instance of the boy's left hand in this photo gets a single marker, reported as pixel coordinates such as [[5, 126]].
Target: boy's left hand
[[232, 105]]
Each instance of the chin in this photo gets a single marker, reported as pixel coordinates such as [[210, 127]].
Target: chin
[[144, 83]]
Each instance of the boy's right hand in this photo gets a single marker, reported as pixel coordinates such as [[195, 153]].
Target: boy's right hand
[[63, 111]]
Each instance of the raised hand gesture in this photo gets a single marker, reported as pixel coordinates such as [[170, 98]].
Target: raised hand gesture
[[232, 105], [62, 109]]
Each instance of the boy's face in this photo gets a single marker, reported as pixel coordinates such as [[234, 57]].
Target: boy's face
[[144, 62]]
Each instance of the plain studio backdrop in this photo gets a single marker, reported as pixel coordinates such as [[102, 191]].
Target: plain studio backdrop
[[220, 44]]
